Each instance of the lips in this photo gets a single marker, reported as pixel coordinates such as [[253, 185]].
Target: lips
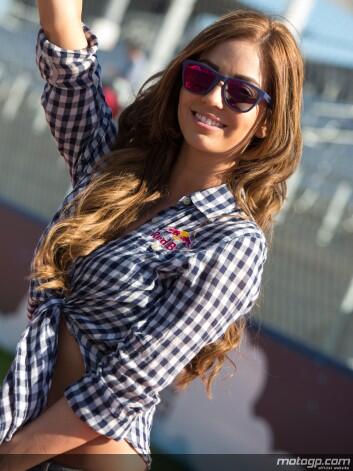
[[208, 119]]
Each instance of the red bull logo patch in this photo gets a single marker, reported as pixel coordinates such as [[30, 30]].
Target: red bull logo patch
[[170, 238]]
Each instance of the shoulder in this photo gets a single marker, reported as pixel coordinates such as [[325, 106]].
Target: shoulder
[[228, 232]]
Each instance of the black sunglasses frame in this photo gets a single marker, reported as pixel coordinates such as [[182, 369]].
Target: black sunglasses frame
[[262, 95]]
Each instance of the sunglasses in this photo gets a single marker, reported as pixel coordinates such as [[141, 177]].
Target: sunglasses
[[240, 95]]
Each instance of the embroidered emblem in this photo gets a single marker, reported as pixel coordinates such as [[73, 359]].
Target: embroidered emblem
[[178, 234], [171, 237]]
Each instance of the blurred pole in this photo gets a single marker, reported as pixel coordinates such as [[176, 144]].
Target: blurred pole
[[298, 14], [4, 7], [169, 35], [107, 27], [115, 10]]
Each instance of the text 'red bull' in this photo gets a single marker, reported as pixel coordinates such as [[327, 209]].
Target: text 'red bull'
[[177, 235]]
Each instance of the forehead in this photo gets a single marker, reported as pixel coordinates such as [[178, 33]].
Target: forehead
[[237, 57]]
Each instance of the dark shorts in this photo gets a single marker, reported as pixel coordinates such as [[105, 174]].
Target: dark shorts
[[51, 466]]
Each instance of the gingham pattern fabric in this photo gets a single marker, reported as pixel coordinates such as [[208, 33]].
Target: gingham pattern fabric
[[141, 306]]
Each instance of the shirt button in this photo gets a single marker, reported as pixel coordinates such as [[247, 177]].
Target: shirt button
[[187, 200], [155, 219]]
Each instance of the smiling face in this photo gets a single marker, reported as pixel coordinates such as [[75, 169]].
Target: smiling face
[[232, 58]]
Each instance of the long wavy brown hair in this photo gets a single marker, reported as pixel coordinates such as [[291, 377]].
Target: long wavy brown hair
[[126, 182]]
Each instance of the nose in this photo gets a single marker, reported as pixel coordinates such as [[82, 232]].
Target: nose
[[214, 96]]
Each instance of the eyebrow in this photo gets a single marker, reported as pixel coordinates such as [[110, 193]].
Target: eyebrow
[[239, 76]]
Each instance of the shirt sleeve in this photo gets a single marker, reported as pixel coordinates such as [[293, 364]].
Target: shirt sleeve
[[73, 100], [215, 287]]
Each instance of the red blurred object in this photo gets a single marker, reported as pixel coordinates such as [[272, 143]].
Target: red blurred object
[[112, 99]]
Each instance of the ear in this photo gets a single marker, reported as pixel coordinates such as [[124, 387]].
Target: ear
[[261, 131]]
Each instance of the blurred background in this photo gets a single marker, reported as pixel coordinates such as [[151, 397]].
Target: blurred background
[[292, 390]]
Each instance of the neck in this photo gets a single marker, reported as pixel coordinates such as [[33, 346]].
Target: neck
[[195, 170]]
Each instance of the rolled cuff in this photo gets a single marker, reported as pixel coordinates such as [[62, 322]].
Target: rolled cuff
[[94, 403], [65, 67]]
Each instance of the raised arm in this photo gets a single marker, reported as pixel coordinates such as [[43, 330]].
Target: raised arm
[[73, 100], [61, 22]]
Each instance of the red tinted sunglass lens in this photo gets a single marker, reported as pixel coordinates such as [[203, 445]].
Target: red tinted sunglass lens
[[240, 95], [197, 79]]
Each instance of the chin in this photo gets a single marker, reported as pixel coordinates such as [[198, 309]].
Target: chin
[[199, 143]]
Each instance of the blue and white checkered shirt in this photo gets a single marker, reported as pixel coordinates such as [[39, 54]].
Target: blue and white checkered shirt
[[141, 306]]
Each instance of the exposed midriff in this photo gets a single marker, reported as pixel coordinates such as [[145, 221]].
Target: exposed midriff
[[68, 369]]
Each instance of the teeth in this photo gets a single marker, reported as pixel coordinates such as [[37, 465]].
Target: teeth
[[208, 121]]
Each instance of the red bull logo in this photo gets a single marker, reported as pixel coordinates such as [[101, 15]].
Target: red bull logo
[[178, 235]]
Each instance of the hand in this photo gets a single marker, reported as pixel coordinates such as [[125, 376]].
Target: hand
[[9, 462], [5, 448], [8, 457], [4, 462], [16, 457]]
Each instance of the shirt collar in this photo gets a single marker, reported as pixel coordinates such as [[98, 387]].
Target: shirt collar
[[214, 201]]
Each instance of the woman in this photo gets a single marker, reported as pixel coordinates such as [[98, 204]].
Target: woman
[[156, 256]]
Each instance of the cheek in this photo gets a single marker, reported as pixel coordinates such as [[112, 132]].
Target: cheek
[[183, 107], [185, 120], [242, 123]]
